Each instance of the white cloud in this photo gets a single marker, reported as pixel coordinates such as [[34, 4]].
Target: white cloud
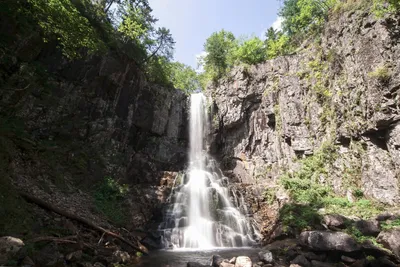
[[200, 61], [277, 24]]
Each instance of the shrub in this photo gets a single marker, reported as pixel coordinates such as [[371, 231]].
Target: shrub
[[381, 73], [109, 199]]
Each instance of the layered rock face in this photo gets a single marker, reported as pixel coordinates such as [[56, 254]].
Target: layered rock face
[[100, 118], [342, 89]]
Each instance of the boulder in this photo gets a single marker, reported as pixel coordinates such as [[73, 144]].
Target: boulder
[[195, 264], [328, 241], [233, 260], [368, 228], [226, 264], [266, 256], [391, 240], [360, 263], [243, 261], [315, 263], [121, 256], [347, 259], [312, 256], [334, 221], [301, 260], [382, 262], [216, 260], [74, 256], [9, 246]]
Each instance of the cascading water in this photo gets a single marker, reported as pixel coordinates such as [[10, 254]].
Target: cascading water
[[202, 215]]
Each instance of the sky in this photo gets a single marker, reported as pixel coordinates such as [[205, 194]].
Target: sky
[[191, 22]]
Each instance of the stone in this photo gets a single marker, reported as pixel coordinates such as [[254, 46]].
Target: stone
[[216, 260], [384, 216], [233, 260], [316, 263], [301, 260], [121, 256], [243, 261], [266, 256], [360, 263], [27, 261], [368, 228], [390, 239], [195, 264], [383, 262], [313, 256], [328, 241], [74, 256], [335, 221], [226, 264], [347, 259], [9, 246]]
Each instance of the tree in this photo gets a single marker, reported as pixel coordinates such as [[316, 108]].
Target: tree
[[304, 15], [60, 20], [184, 77], [271, 34], [218, 48], [251, 51]]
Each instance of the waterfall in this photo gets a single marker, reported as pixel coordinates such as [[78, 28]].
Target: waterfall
[[201, 214]]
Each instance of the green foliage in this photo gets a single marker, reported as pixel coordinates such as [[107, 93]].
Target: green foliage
[[270, 195], [158, 70], [219, 48], [251, 51], [109, 199], [310, 190], [304, 184], [387, 225], [304, 16], [299, 217], [381, 73], [279, 46], [184, 77], [62, 20], [382, 7]]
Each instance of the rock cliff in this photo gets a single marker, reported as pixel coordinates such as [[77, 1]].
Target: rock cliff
[[70, 124], [341, 89]]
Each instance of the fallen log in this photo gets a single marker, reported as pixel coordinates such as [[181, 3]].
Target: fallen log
[[139, 247], [52, 239]]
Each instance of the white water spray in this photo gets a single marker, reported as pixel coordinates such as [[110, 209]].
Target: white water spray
[[202, 215]]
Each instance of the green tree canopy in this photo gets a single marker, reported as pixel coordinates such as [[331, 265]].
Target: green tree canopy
[[251, 51], [184, 77], [218, 48]]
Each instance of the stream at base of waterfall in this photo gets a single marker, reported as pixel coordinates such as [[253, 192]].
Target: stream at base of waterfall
[[205, 212]]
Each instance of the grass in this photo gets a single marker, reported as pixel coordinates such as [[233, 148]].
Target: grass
[[388, 225], [109, 198], [312, 195]]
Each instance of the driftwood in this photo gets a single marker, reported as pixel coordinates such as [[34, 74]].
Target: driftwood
[[48, 206]]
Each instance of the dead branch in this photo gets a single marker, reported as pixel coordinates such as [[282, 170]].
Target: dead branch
[[48, 206]]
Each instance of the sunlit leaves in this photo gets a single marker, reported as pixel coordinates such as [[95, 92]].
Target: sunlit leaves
[[251, 51], [184, 77], [61, 19]]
